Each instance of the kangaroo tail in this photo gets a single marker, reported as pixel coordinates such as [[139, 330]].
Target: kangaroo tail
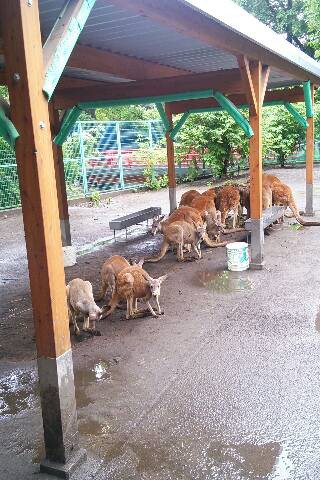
[[212, 243], [303, 222], [108, 309], [163, 251]]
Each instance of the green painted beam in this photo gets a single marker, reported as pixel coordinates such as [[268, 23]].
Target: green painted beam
[[176, 129], [225, 103], [7, 129], [163, 116], [63, 48], [173, 97], [68, 121], [300, 119], [308, 99]]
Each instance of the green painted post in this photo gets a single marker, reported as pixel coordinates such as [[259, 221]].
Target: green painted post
[[308, 99], [7, 129], [64, 47], [176, 129], [173, 97], [68, 121], [163, 116], [300, 119], [120, 159], [83, 162], [234, 112]]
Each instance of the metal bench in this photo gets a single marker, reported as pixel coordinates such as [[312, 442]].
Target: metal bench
[[270, 215], [133, 219]]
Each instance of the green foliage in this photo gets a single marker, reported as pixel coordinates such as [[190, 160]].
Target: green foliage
[[153, 181], [127, 112], [95, 198], [313, 16], [282, 134], [295, 18], [216, 137]]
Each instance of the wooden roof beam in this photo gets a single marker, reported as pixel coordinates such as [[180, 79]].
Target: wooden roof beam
[[62, 39], [293, 95], [244, 67], [124, 66], [226, 81], [193, 24]]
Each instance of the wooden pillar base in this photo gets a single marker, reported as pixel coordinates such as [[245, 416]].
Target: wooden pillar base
[[173, 198], [257, 242], [59, 413], [309, 200]]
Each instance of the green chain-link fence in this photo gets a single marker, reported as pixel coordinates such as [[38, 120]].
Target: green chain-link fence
[[105, 156]]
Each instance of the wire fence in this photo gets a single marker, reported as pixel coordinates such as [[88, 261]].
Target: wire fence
[[106, 156]]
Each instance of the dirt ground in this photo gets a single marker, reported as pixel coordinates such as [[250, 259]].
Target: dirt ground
[[224, 386]]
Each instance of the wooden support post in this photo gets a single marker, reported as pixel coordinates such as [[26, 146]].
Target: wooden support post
[[29, 111], [309, 161], [255, 156], [60, 180], [171, 165]]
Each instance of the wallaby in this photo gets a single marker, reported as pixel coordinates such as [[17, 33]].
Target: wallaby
[[228, 198], [135, 283], [266, 197], [187, 197], [81, 303], [270, 180], [180, 233]]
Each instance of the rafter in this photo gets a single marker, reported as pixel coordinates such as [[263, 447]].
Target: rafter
[[193, 24], [265, 73], [244, 67], [124, 66], [293, 95], [226, 81], [62, 39]]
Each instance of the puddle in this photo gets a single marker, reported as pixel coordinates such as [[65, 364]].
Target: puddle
[[97, 373], [18, 392], [225, 281], [252, 461]]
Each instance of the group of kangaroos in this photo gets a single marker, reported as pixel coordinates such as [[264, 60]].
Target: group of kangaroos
[[200, 217]]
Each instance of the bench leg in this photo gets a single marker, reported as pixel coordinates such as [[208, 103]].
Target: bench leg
[[126, 233], [114, 235], [257, 241]]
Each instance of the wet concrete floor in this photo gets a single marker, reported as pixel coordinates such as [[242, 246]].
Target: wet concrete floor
[[224, 386]]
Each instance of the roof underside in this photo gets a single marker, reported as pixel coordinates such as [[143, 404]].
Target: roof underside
[[111, 28]]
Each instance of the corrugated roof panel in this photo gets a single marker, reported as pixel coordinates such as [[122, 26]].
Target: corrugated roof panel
[[111, 28]]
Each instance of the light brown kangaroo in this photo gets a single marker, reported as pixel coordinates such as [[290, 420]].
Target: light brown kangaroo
[[187, 197], [109, 271], [180, 233], [81, 303], [135, 283], [282, 195], [228, 198], [192, 215]]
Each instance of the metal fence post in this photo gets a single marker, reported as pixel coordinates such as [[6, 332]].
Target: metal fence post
[[150, 134], [121, 177], [83, 161]]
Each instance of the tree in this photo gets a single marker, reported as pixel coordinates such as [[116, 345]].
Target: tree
[[216, 137], [127, 112], [282, 134], [289, 17]]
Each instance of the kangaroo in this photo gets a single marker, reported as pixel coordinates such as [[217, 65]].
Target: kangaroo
[[81, 303], [282, 195], [180, 233], [109, 271], [192, 215], [135, 283], [270, 180], [266, 196], [228, 198], [188, 196]]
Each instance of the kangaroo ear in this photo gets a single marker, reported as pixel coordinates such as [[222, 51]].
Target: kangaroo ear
[[163, 278], [204, 225], [141, 262]]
